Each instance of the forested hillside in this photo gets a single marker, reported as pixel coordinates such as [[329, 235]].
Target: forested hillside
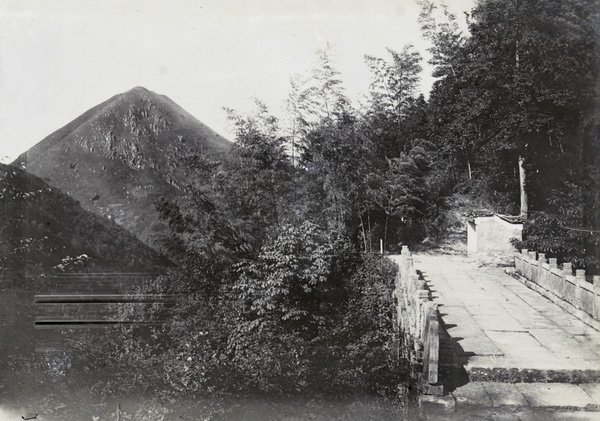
[[520, 85]]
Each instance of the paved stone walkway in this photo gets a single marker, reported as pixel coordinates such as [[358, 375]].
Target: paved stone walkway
[[506, 346]]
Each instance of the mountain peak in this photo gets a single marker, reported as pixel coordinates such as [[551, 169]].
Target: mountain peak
[[119, 157], [139, 89], [137, 116]]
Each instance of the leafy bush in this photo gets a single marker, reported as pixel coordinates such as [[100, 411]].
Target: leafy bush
[[352, 349], [343, 340], [560, 231], [296, 278], [367, 334], [547, 233]]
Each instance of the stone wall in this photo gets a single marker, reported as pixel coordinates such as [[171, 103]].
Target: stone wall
[[573, 291], [419, 324]]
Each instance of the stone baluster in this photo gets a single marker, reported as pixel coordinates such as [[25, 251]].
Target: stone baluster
[[521, 261], [579, 280], [567, 270], [433, 346], [423, 297], [539, 276], [551, 279]]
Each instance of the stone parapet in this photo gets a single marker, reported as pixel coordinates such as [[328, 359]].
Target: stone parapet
[[560, 284], [419, 323]]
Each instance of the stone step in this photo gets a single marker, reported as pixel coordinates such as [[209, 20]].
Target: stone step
[[531, 375], [517, 398]]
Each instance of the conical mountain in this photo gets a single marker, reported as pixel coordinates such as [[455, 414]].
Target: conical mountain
[[118, 158]]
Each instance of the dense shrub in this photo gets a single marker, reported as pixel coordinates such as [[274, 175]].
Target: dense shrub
[[214, 345]]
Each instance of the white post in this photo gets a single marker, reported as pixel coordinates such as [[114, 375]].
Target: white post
[[381, 245]]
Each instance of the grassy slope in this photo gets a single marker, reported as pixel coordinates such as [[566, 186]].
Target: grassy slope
[[39, 226]]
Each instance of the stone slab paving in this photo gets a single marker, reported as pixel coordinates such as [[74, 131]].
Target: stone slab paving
[[493, 314], [519, 350]]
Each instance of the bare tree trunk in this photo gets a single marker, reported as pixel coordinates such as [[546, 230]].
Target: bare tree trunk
[[524, 202], [385, 234], [364, 235], [370, 239]]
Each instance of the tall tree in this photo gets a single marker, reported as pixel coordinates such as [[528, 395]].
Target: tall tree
[[393, 95], [318, 98], [332, 149], [259, 171], [400, 191], [536, 60], [394, 83], [441, 28], [239, 204]]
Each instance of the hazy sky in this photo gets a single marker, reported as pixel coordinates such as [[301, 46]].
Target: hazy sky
[[58, 58]]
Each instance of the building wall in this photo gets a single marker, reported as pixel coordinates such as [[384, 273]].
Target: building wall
[[491, 234]]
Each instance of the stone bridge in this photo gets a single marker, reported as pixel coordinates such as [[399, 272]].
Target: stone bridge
[[501, 346]]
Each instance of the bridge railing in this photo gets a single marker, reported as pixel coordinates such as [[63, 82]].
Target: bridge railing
[[419, 323], [572, 291]]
